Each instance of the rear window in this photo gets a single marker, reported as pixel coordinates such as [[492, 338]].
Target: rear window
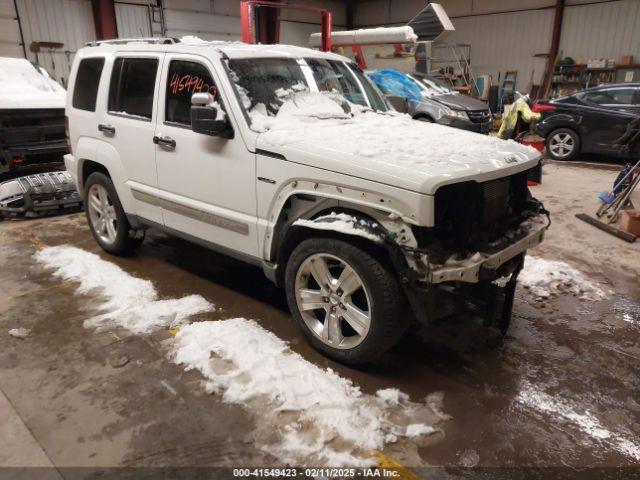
[[85, 90], [132, 84]]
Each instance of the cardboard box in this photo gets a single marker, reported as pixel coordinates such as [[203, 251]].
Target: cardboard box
[[626, 60], [630, 221]]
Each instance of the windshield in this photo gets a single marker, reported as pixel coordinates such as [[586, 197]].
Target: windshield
[[264, 83], [432, 86]]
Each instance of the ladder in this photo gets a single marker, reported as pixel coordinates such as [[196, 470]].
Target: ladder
[[507, 86], [459, 60]]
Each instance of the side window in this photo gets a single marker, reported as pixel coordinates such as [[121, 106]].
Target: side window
[[132, 85], [621, 96], [184, 79], [85, 90]]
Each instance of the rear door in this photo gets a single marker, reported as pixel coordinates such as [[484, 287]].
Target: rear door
[[128, 124], [207, 183], [605, 117]]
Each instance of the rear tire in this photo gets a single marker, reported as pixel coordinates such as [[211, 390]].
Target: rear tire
[[347, 303], [107, 221], [563, 144]]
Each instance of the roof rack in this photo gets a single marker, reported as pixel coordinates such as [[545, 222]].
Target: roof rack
[[124, 41]]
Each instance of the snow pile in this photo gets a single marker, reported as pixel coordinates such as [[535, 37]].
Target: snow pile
[[317, 416], [545, 278], [343, 223], [564, 411], [22, 86], [20, 333], [130, 302]]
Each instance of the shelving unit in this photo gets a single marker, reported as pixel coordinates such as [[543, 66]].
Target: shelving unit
[[568, 79]]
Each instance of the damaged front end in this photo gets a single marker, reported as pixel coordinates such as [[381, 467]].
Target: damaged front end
[[473, 254]]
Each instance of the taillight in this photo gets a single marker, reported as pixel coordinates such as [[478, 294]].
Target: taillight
[[66, 132], [543, 108]]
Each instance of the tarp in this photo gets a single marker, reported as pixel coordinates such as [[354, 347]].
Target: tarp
[[396, 83]]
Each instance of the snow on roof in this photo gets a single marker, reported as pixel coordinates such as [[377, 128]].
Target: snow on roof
[[231, 49], [22, 86]]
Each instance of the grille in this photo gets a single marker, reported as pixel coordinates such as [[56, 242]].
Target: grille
[[469, 213], [31, 126], [480, 116]]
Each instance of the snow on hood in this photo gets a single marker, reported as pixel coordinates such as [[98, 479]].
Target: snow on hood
[[22, 86], [387, 147]]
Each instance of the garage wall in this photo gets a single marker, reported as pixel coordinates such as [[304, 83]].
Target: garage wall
[[502, 40], [220, 19], [132, 20], [66, 21], [9, 31]]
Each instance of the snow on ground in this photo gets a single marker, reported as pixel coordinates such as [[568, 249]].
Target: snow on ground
[[329, 421], [305, 415], [564, 411], [129, 302], [545, 278]]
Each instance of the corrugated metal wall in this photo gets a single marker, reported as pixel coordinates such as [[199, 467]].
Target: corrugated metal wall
[[604, 30], [132, 20], [9, 31], [66, 21], [508, 41]]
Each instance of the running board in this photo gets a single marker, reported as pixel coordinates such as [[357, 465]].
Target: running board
[[626, 236]]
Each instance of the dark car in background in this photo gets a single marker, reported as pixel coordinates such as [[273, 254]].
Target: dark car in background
[[589, 121], [428, 99]]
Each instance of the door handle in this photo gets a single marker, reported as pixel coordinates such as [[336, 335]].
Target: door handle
[[104, 128], [165, 141]]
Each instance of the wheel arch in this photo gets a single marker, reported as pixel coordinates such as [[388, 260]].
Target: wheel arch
[[287, 235]]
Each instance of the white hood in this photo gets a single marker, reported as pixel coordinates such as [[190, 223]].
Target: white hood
[[388, 148], [22, 86]]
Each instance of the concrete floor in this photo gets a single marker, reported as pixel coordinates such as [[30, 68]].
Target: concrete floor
[[66, 401]]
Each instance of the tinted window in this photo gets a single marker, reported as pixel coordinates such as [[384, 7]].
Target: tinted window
[[620, 96], [185, 79], [132, 85], [85, 89]]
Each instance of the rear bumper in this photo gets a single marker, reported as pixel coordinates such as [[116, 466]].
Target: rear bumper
[[71, 165]]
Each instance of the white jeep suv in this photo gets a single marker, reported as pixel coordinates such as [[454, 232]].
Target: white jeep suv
[[291, 159]]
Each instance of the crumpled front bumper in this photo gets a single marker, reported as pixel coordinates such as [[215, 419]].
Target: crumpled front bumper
[[487, 267]]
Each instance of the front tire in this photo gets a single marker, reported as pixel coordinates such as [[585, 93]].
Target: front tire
[[347, 303], [107, 221], [563, 144]]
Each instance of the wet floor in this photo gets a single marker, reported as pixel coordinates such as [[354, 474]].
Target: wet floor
[[560, 391]]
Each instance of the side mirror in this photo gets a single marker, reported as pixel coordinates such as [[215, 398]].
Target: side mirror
[[204, 117], [400, 104]]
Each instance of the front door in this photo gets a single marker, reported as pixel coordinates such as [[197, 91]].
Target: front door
[[206, 183]]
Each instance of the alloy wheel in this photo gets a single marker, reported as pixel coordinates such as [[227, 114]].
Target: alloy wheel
[[562, 145], [102, 213], [333, 301]]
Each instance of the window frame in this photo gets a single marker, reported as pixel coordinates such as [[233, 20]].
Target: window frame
[[116, 57], [164, 88], [97, 93]]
